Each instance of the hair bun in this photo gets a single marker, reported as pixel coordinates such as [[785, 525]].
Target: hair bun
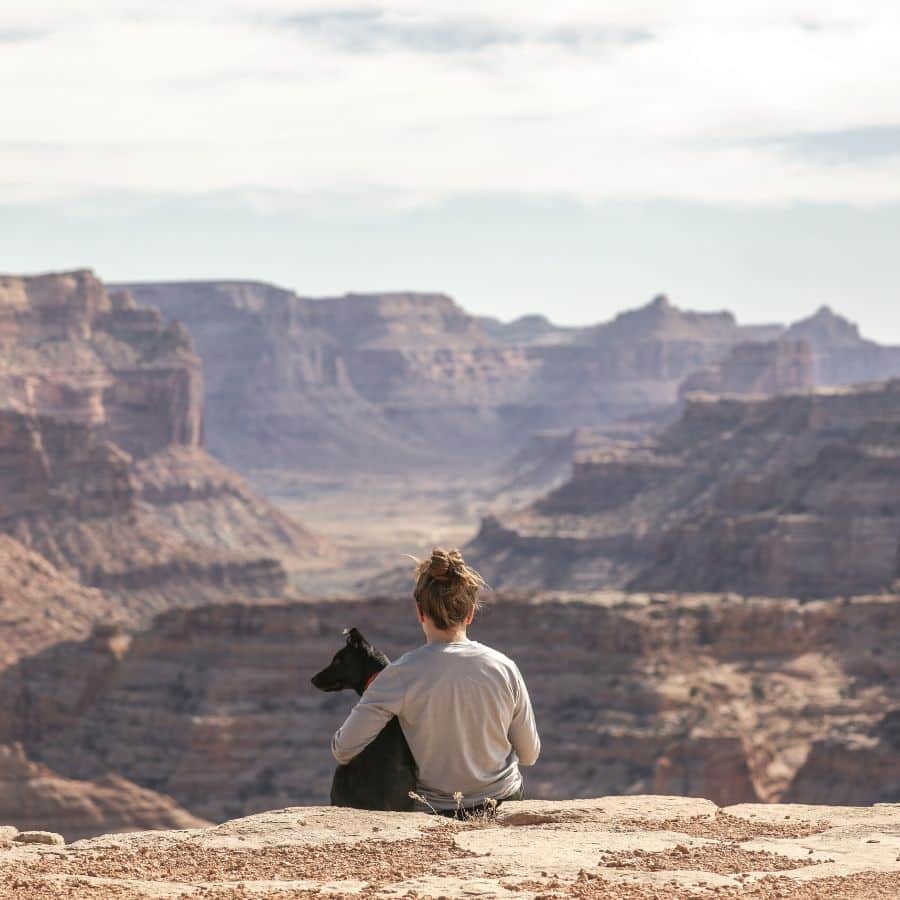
[[439, 565]]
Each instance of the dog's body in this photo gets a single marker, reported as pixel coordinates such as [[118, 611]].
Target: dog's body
[[382, 776]]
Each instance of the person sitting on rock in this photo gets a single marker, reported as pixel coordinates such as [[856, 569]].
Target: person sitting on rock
[[463, 706]]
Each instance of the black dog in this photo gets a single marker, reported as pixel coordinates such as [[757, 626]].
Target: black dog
[[382, 776]]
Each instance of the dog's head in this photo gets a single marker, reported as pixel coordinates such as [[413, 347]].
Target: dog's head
[[353, 665]]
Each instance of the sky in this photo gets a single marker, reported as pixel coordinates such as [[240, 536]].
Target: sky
[[573, 158]]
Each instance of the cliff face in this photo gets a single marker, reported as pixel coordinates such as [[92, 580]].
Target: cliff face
[[39, 605], [394, 379], [101, 468], [35, 798], [75, 352], [734, 699], [840, 354], [175, 527], [763, 368], [796, 495]]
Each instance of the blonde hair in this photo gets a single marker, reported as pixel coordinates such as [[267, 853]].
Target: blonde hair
[[447, 589]]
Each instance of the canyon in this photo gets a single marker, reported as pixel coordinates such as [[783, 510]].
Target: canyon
[[111, 510], [794, 495], [733, 699], [102, 469], [693, 526], [406, 380]]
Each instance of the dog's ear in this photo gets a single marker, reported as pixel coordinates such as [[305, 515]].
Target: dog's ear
[[354, 638]]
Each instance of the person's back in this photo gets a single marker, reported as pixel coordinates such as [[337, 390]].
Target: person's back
[[463, 707]]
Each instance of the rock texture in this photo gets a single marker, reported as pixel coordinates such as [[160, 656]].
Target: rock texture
[[39, 605], [74, 352], [795, 495], [171, 527], [36, 799], [737, 700], [840, 354], [102, 472], [765, 368], [397, 379], [638, 848]]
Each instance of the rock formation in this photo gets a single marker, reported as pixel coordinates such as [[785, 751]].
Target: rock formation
[[76, 353], [763, 368], [101, 468], [388, 380], [35, 798], [840, 354], [736, 699], [40, 606], [616, 848], [790, 496]]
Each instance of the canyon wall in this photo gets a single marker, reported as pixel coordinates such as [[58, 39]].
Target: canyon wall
[[716, 696], [393, 380], [103, 479], [756, 367], [75, 352], [789, 496], [36, 798], [840, 354]]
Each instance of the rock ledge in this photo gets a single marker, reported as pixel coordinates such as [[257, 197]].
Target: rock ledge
[[639, 847]]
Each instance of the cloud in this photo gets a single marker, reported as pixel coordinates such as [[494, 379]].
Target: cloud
[[848, 145], [371, 31], [739, 104]]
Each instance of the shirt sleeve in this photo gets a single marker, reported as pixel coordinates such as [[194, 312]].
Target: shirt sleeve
[[382, 700], [522, 730]]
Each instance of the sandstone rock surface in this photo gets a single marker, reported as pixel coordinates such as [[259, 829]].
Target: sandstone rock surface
[[636, 848]]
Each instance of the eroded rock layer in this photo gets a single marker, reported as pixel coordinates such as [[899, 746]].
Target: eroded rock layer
[[36, 798], [734, 699], [791, 496], [102, 472], [74, 352], [395, 379]]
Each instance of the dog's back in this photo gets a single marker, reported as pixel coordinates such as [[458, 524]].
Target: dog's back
[[384, 774]]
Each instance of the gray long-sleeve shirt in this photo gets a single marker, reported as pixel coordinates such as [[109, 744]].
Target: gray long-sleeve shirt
[[466, 714]]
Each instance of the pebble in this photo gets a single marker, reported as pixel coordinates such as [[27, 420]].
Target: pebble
[[40, 837]]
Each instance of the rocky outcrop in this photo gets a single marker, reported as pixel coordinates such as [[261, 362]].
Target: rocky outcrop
[[40, 606], [762, 368], [840, 354], [794, 495], [37, 799], [393, 380], [722, 696], [173, 527], [101, 468], [634, 848], [77, 353]]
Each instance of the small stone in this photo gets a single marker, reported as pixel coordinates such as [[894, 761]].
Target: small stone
[[41, 837], [8, 832]]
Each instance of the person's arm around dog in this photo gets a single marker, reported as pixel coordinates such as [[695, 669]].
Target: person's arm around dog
[[381, 701]]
